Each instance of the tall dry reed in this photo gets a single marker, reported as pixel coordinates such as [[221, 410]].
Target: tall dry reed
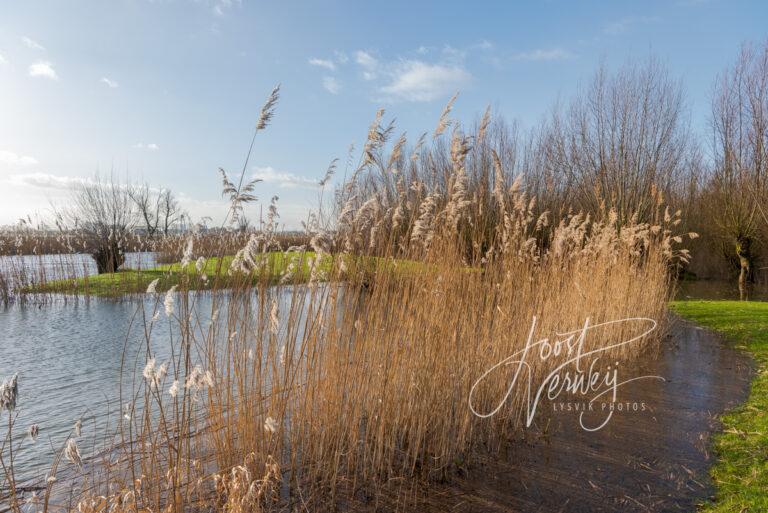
[[354, 387]]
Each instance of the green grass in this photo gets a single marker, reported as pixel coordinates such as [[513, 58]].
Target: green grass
[[741, 471], [132, 281]]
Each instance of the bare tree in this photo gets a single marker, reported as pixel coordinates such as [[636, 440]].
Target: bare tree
[[148, 203], [159, 211], [171, 212], [616, 145], [739, 126], [105, 215]]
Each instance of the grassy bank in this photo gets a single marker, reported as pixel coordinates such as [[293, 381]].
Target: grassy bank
[[214, 274], [741, 472], [288, 267]]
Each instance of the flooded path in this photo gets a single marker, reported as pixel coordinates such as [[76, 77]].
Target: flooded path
[[652, 461]]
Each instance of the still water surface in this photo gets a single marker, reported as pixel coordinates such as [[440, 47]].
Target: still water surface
[[68, 357], [34, 268]]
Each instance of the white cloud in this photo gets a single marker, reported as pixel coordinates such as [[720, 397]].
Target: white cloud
[[541, 54], [452, 54], [286, 180], [331, 85], [150, 146], [418, 81], [3, 60], [47, 181], [323, 63], [12, 159], [109, 82], [31, 43], [618, 27], [369, 64], [365, 59], [43, 69]]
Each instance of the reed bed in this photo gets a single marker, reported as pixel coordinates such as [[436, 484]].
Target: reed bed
[[170, 249], [348, 386]]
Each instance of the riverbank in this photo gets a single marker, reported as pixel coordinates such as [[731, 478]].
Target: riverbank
[[211, 273], [741, 471], [216, 273]]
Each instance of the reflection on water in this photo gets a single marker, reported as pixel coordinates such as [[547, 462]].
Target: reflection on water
[[68, 355], [716, 289]]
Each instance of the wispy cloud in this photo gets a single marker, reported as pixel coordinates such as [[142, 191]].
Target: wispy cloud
[[3, 60], [12, 159], [544, 54], [283, 179], [150, 146], [220, 7], [331, 85], [484, 45], [31, 43], [47, 180], [323, 63], [369, 64], [340, 57], [453, 54], [622, 25], [43, 69], [109, 82], [418, 81]]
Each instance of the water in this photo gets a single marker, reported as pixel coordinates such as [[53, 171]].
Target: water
[[30, 269], [68, 356], [716, 289]]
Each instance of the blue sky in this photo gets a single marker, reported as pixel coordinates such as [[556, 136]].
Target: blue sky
[[168, 91]]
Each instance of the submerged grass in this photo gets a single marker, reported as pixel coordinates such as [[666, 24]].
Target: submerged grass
[[741, 471]]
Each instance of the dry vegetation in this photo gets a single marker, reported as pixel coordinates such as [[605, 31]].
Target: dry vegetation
[[348, 386], [355, 386]]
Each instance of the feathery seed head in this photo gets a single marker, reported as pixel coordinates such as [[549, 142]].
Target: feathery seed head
[[152, 287], [72, 453], [268, 110], [9, 392]]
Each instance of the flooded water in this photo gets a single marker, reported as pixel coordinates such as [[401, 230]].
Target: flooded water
[[68, 356], [30, 269], [716, 289], [654, 460]]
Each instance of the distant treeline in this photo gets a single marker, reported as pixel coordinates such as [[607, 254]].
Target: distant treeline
[[169, 247]]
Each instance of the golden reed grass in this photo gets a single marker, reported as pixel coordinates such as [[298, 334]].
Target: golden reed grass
[[353, 388]]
